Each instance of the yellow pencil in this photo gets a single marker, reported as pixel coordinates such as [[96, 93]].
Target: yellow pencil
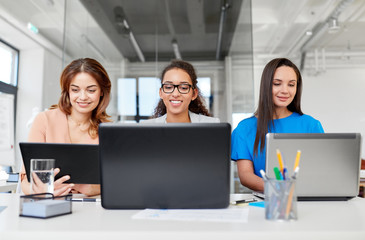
[[297, 159], [290, 200], [281, 165]]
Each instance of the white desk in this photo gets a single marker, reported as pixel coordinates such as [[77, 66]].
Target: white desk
[[7, 186], [316, 220]]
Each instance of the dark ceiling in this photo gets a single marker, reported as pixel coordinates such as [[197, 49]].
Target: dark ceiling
[[155, 24]]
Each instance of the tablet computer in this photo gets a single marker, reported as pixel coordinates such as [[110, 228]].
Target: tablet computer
[[79, 161]]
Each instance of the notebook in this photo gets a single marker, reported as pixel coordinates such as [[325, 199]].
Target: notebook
[[329, 163], [80, 161], [165, 166]]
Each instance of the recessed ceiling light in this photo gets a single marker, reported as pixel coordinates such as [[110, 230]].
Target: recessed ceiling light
[[333, 26]]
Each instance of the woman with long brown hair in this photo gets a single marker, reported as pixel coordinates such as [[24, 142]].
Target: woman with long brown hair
[[85, 95], [279, 111]]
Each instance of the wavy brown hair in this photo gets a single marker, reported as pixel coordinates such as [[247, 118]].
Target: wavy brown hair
[[266, 108], [195, 106], [97, 71]]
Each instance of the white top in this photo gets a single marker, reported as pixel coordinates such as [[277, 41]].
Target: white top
[[316, 220], [195, 118]]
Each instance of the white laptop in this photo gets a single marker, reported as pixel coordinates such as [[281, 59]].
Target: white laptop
[[329, 163]]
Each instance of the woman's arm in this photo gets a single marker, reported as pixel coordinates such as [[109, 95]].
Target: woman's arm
[[87, 189], [37, 133], [248, 177]]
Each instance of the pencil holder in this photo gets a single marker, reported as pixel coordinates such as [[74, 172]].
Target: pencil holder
[[280, 200]]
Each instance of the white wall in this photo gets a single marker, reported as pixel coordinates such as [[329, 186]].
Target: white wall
[[336, 98], [51, 79], [30, 88]]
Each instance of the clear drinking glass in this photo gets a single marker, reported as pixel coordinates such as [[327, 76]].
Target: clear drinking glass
[[42, 175]]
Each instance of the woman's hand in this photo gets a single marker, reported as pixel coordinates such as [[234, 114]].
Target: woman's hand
[[247, 176], [61, 188], [38, 186], [87, 189]]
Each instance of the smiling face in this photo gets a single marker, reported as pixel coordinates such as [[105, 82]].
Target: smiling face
[[177, 103], [84, 93], [284, 86]]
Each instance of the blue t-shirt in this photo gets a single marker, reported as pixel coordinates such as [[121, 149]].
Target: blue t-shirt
[[243, 137]]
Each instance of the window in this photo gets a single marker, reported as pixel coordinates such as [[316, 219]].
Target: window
[[148, 90], [138, 97], [204, 86], [9, 64], [8, 92]]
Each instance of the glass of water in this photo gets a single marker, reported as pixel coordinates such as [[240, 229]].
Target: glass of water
[[42, 175]]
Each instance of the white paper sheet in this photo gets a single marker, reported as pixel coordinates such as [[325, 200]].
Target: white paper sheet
[[213, 215]]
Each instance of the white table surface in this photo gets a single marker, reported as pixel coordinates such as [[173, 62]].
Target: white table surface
[[316, 220]]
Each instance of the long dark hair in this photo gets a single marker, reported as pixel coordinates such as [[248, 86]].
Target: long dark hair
[[195, 106], [266, 108], [97, 71]]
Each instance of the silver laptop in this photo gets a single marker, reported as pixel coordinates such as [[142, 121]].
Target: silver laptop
[[329, 163]]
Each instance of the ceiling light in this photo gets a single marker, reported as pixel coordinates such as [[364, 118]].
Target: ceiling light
[[308, 33], [124, 28], [222, 20], [33, 28], [175, 47], [333, 26]]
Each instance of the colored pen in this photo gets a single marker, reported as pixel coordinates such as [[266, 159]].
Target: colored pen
[[278, 174], [281, 165], [297, 159], [295, 173], [285, 173], [263, 175]]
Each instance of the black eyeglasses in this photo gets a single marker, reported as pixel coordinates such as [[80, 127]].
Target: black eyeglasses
[[183, 88]]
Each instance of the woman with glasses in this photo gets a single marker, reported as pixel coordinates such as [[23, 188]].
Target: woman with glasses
[[278, 111], [85, 95], [181, 100]]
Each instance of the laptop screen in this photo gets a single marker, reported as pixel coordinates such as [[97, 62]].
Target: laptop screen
[[165, 165]]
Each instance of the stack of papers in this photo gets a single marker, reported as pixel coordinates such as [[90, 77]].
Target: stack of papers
[[212, 215], [362, 174]]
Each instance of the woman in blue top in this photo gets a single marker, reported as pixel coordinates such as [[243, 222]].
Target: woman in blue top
[[278, 112]]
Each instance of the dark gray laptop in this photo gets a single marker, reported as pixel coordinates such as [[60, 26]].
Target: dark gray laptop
[[80, 161], [172, 166], [329, 164]]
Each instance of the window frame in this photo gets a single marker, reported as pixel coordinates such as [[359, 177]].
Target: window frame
[[17, 67], [9, 88]]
